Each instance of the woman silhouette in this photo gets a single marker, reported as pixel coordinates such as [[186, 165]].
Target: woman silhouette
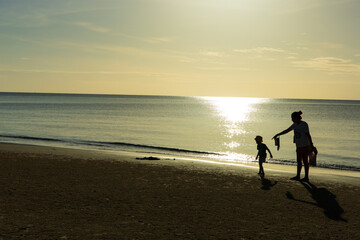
[[303, 141]]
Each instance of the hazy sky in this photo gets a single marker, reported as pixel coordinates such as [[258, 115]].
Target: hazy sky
[[244, 48]]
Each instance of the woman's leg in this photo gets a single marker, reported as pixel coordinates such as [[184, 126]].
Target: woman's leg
[[299, 163], [306, 164]]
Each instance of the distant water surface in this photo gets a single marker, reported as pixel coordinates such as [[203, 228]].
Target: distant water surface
[[219, 128]]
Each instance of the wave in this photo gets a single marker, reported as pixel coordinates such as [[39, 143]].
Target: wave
[[32, 138], [319, 164], [109, 144]]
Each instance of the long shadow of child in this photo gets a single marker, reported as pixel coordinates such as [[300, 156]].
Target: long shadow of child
[[266, 183]]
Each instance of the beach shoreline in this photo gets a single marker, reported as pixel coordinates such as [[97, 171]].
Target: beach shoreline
[[199, 163], [64, 193]]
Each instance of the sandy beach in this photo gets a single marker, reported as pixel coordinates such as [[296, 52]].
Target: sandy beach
[[58, 193]]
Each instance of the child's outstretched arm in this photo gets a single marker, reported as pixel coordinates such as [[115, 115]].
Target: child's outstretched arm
[[269, 152]]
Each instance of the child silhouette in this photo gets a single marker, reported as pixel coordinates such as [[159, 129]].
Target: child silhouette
[[261, 147]]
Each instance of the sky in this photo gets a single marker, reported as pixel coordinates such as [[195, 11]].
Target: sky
[[235, 48]]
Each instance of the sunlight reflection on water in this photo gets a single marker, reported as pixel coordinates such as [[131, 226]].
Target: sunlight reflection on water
[[234, 111]]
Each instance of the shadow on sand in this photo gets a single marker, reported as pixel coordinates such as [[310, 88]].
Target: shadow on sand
[[324, 199], [266, 183]]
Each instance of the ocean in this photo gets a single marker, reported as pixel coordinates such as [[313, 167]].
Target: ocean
[[220, 128]]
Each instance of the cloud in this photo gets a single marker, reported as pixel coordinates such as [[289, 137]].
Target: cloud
[[224, 69], [34, 16], [159, 39], [302, 48], [21, 70], [199, 57], [121, 49], [96, 47], [148, 39], [212, 54], [80, 46], [91, 27], [61, 12], [259, 50], [330, 45], [330, 64], [13, 19], [185, 59]]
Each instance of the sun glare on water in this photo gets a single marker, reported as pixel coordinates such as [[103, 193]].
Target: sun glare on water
[[232, 109], [234, 113]]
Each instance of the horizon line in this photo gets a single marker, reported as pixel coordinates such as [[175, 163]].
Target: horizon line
[[161, 95]]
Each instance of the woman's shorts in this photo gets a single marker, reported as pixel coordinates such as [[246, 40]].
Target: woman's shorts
[[303, 150]]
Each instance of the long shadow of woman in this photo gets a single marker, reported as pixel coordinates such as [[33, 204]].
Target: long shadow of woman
[[324, 199]]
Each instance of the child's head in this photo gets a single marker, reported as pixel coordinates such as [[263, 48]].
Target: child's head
[[258, 139]]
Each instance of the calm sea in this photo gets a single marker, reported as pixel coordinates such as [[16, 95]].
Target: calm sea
[[214, 127]]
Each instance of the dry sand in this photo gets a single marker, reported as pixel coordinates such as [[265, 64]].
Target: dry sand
[[57, 193]]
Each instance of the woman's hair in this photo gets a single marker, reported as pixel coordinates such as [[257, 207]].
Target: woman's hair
[[296, 115]]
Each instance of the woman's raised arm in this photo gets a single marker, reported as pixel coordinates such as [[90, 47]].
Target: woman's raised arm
[[283, 132]]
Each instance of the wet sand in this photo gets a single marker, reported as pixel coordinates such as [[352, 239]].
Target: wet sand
[[58, 193]]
